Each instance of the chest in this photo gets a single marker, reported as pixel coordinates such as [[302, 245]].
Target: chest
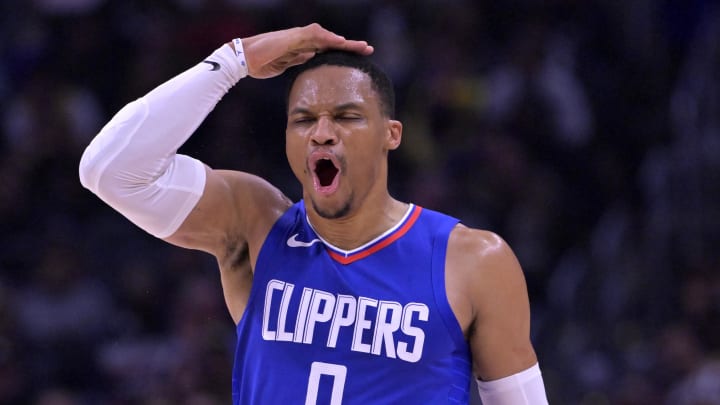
[[376, 305]]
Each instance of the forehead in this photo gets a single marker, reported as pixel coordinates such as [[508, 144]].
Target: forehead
[[331, 85]]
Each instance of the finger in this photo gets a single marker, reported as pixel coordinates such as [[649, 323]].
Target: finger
[[322, 39], [361, 47]]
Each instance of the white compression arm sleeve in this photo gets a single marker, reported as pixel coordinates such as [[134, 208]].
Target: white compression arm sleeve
[[132, 163], [523, 388]]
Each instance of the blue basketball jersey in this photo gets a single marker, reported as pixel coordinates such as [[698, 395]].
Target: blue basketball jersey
[[367, 326]]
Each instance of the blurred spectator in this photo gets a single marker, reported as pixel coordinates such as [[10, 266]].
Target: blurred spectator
[[538, 78], [62, 315]]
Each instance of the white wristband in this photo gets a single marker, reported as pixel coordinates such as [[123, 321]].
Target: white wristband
[[231, 62], [240, 56]]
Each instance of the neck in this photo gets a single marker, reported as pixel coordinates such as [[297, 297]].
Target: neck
[[359, 226]]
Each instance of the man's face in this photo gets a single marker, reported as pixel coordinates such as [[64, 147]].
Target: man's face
[[337, 138]]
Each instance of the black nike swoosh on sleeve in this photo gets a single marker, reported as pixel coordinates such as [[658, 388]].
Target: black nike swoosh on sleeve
[[215, 65]]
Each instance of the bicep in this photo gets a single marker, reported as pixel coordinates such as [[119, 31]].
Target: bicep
[[500, 341], [203, 226]]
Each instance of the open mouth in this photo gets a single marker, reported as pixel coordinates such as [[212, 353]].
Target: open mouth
[[325, 170]]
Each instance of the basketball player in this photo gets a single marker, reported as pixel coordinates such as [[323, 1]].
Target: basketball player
[[348, 296]]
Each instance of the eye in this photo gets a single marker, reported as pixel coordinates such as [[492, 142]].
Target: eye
[[348, 117], [303, 120]]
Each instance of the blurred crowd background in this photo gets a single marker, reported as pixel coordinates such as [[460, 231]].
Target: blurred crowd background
[[586, 133]]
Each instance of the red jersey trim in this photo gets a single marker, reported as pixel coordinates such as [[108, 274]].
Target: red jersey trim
[[342, 259]]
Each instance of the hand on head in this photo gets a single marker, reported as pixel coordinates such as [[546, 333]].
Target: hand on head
[[271, 53]]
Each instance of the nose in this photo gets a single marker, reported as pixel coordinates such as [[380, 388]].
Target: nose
[[324, 132]]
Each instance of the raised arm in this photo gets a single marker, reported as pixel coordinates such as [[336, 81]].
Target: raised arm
[[487, 290], [133, 166]]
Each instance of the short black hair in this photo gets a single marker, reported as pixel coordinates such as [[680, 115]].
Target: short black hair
[[380, 81]]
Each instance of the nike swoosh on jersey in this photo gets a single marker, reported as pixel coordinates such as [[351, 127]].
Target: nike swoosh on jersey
[[293, 242], [215, 65]]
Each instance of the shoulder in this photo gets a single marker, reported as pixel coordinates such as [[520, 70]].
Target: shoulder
[[256, 202], [247, 187], [478, 246], [251, 189], [480, 257]]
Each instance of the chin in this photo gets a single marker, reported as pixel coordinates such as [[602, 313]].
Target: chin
[[328, 210]]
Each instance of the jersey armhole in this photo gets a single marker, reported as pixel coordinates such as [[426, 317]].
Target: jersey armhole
[[278, 233], [439, 254]]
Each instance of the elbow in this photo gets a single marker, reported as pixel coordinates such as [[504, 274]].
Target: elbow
[[110, 152]]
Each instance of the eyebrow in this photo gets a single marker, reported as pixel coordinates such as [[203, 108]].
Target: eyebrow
[[348, 106], [298, 110], [341, 107]]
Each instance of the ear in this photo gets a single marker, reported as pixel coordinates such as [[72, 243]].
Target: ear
[[394, 134]]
